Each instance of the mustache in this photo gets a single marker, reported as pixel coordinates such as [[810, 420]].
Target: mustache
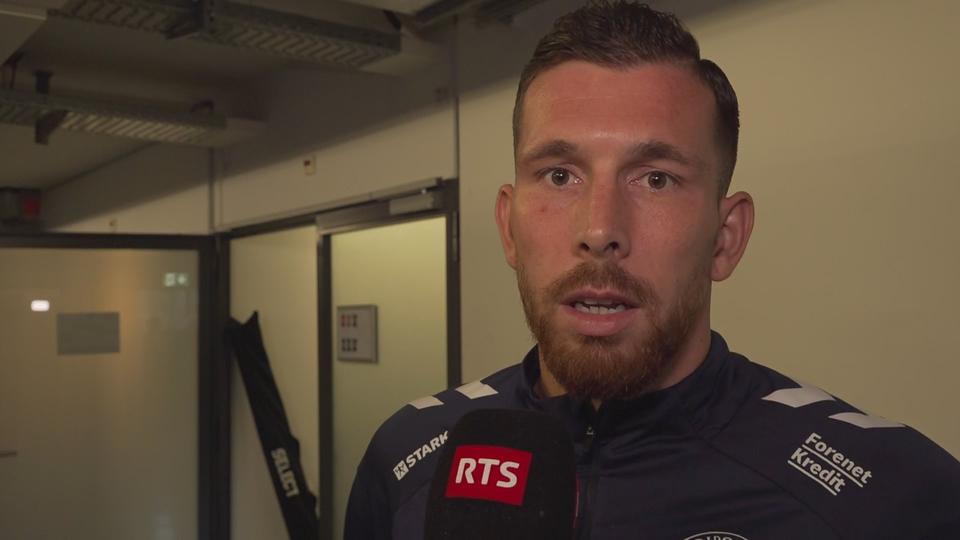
[[607, 275]]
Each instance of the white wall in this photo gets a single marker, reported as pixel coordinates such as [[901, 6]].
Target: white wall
[[850, 126], [365, 131], [161, 189]]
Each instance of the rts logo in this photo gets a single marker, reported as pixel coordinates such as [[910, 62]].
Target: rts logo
[[491, 473]]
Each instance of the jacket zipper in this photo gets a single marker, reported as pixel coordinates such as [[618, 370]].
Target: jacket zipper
[[583, 513]]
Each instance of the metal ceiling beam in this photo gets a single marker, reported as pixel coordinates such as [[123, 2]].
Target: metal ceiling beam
[[239, 25], [200, 21], [440, 11], [504, 10], [484, 10]]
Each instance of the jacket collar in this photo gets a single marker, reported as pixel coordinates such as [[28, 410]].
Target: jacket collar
[[684, 405]]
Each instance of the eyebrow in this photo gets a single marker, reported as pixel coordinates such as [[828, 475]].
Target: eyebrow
[[556, 148], [654, 150], [645, 151]]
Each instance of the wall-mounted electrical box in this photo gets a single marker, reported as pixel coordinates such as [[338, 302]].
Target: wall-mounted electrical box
[[357, 333]]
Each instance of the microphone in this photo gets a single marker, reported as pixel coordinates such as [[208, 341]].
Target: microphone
[[504, 475]]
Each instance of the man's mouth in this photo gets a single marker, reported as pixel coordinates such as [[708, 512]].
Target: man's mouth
[[593, 312], [599, 302], [599, 306]]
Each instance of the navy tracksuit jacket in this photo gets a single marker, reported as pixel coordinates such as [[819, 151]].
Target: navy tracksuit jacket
[[735, 451]]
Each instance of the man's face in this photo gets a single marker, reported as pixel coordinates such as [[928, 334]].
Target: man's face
[[613, 220]]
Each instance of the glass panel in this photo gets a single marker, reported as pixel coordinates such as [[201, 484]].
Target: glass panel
[[401, 269], [276, 275], [105, 441]]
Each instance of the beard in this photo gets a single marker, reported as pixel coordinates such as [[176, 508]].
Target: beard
[[621, 366]]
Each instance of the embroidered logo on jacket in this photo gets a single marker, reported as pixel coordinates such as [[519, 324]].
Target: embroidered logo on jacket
[[716, 535], [419, 454], [827, 466]]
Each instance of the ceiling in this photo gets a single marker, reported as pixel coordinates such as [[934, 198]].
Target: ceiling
[[70, 154], [138, 70], [409, 7], [136, 67]]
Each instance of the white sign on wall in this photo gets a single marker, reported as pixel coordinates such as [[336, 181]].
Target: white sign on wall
[[357, 333]]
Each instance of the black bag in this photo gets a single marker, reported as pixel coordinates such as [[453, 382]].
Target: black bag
[[280, 448]]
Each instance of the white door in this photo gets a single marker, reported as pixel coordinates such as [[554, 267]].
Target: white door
[[400, 269]]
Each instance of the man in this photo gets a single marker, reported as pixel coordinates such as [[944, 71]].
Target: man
[[617, 223]]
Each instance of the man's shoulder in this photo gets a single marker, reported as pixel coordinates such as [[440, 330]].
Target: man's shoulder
[[403, 451], [858, 471]]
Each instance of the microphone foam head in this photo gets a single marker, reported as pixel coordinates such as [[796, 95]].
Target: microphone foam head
[[503, 475]]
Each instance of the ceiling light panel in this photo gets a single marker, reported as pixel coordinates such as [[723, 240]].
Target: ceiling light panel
[[104, 118]]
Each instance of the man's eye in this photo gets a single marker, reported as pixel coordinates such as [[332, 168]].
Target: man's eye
[[658, 180], [560, 177]]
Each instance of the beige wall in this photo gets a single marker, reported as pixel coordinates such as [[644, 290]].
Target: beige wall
[[850, 126], [160, 189], [366, 132], [849, 130]]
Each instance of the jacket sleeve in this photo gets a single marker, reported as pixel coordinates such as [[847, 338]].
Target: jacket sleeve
[[368, 510]]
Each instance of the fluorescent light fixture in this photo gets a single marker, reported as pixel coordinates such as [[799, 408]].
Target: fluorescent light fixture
[[183, 280], [40, 305], [170, 279], [109, 117]]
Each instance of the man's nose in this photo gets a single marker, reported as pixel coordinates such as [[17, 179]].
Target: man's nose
[[603, 221]]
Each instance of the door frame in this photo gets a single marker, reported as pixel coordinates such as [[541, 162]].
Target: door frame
[[422, 200], [213, 434]]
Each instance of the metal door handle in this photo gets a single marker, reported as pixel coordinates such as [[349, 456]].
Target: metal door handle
[[8, 453]]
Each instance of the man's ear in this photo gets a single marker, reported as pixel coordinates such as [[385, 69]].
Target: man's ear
[[736, 224], [502, 211]]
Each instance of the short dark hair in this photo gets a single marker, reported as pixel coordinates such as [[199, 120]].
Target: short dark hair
[[624, 34]]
